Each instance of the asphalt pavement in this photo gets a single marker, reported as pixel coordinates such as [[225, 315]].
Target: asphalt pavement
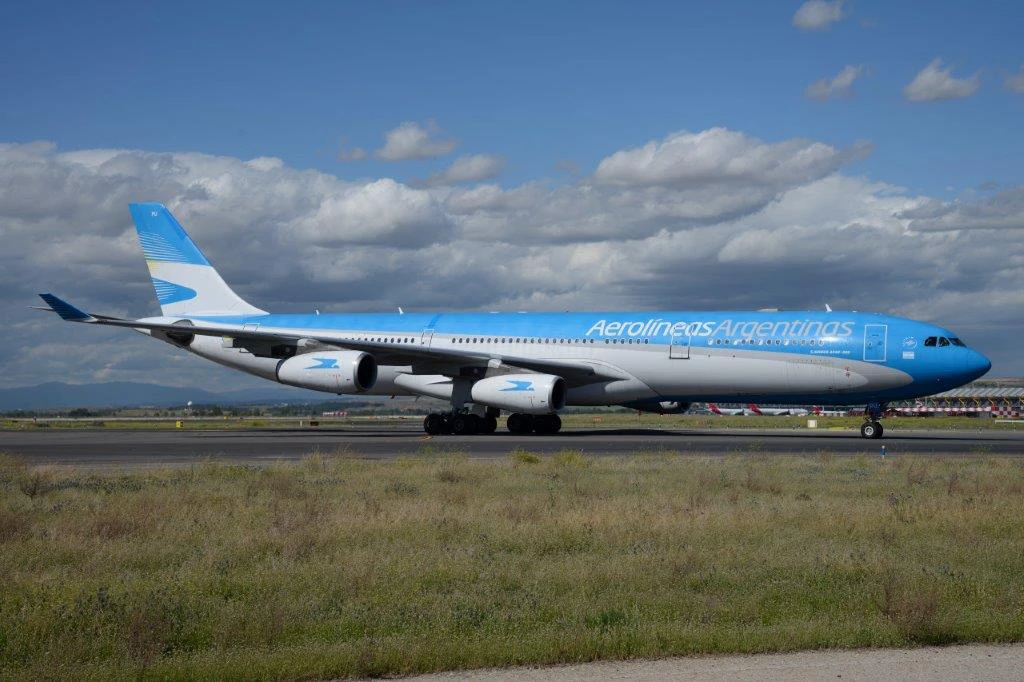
[[113, 448]]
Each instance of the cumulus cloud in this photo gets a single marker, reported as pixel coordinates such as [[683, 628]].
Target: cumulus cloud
[[411, 140], [1014, 82], [726, 221], [936, 83], [839, 86], [722, 156], [1001, 211], [469, 168], [817, 15]]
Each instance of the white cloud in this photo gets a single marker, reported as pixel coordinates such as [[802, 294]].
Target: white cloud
[[1014, 82], [725, 221], [469, 168], [816, 15], [1001, 211], [836, 87], [721, 156], [936, 83], [411, 140]]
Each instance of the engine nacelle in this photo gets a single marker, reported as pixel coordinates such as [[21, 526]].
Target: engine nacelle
[[336, 371], [663, 407], [529, 393]]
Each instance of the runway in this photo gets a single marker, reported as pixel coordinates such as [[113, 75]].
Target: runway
[[116, 448]]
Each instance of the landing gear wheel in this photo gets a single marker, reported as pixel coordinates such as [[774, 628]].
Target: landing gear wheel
[[488, 425], [519, 423], [463, 424], [434, 424], [547, 424], [871, 429]]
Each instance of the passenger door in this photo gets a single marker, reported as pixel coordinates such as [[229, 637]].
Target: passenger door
[[874, 342]]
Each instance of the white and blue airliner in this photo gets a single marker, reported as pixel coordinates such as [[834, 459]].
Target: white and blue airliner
[[532, 365]]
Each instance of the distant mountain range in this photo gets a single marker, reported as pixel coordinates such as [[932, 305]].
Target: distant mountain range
[[57, 396]]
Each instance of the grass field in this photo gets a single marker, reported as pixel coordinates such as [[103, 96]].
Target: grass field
[[338, 566]]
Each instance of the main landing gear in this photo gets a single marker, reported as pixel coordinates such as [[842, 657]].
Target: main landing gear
[[459, 424], [467, 424], [542, 424], [872, 428]]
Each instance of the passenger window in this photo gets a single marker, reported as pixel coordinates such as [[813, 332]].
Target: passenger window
[[930, 341], [943, 341]]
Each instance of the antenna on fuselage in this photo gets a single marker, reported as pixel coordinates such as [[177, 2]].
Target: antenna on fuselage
[[400, 311], [828, 308]]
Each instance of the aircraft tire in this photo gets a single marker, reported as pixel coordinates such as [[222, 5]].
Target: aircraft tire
[[463, 424], [519, 423], [434, 424], [547, 425], [871, 429], [489, 425]]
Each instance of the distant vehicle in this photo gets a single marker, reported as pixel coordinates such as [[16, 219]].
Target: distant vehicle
[[820, 411], [532, 365], [776, 411], [726, 411]]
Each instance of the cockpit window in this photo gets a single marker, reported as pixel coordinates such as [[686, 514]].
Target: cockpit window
[[930, 341], [957, 342], [943, 341]]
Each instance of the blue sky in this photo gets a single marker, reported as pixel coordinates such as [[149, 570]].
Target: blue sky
[[513, 156], [537, 82]]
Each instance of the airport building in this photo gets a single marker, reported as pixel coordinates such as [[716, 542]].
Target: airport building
[[1002, 402]]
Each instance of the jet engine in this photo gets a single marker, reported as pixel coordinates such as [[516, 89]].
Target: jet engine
[[342, 371], [529, 393], [663, 407]]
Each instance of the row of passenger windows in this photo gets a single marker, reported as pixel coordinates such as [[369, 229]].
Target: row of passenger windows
[[943, 341], [522, 340], [930, 341]]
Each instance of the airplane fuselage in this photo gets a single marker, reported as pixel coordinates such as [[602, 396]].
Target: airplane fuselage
[[832, 358]]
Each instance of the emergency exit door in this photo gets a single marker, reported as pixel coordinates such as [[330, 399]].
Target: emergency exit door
[[679, 347]]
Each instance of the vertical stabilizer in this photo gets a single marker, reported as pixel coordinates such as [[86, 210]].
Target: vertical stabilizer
[[185, 282]]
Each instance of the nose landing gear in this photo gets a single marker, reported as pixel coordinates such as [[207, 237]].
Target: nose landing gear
[[872, 428]]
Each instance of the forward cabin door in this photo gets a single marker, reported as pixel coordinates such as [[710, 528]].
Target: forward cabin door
[[874, 342], [679, 347]]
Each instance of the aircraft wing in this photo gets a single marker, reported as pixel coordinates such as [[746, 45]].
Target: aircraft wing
[[575, 372]]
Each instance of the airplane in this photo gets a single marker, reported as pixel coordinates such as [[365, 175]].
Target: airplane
[[820, 411], [776, 411], [532, 365], [726, 411]]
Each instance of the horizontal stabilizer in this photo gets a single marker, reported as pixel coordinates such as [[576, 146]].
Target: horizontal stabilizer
[[65, 309]]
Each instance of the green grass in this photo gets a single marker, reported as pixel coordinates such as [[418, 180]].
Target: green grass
[[337, 566]]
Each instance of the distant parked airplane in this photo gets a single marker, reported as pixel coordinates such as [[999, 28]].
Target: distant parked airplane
[[534, 364], [726, 411], [776, 411], [820, 411]]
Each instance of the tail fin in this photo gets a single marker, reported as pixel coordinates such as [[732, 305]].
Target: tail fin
[[754, 408], [714, 408], [185, 282]]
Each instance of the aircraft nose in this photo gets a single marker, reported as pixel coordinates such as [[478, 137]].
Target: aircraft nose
[[977, 364]]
